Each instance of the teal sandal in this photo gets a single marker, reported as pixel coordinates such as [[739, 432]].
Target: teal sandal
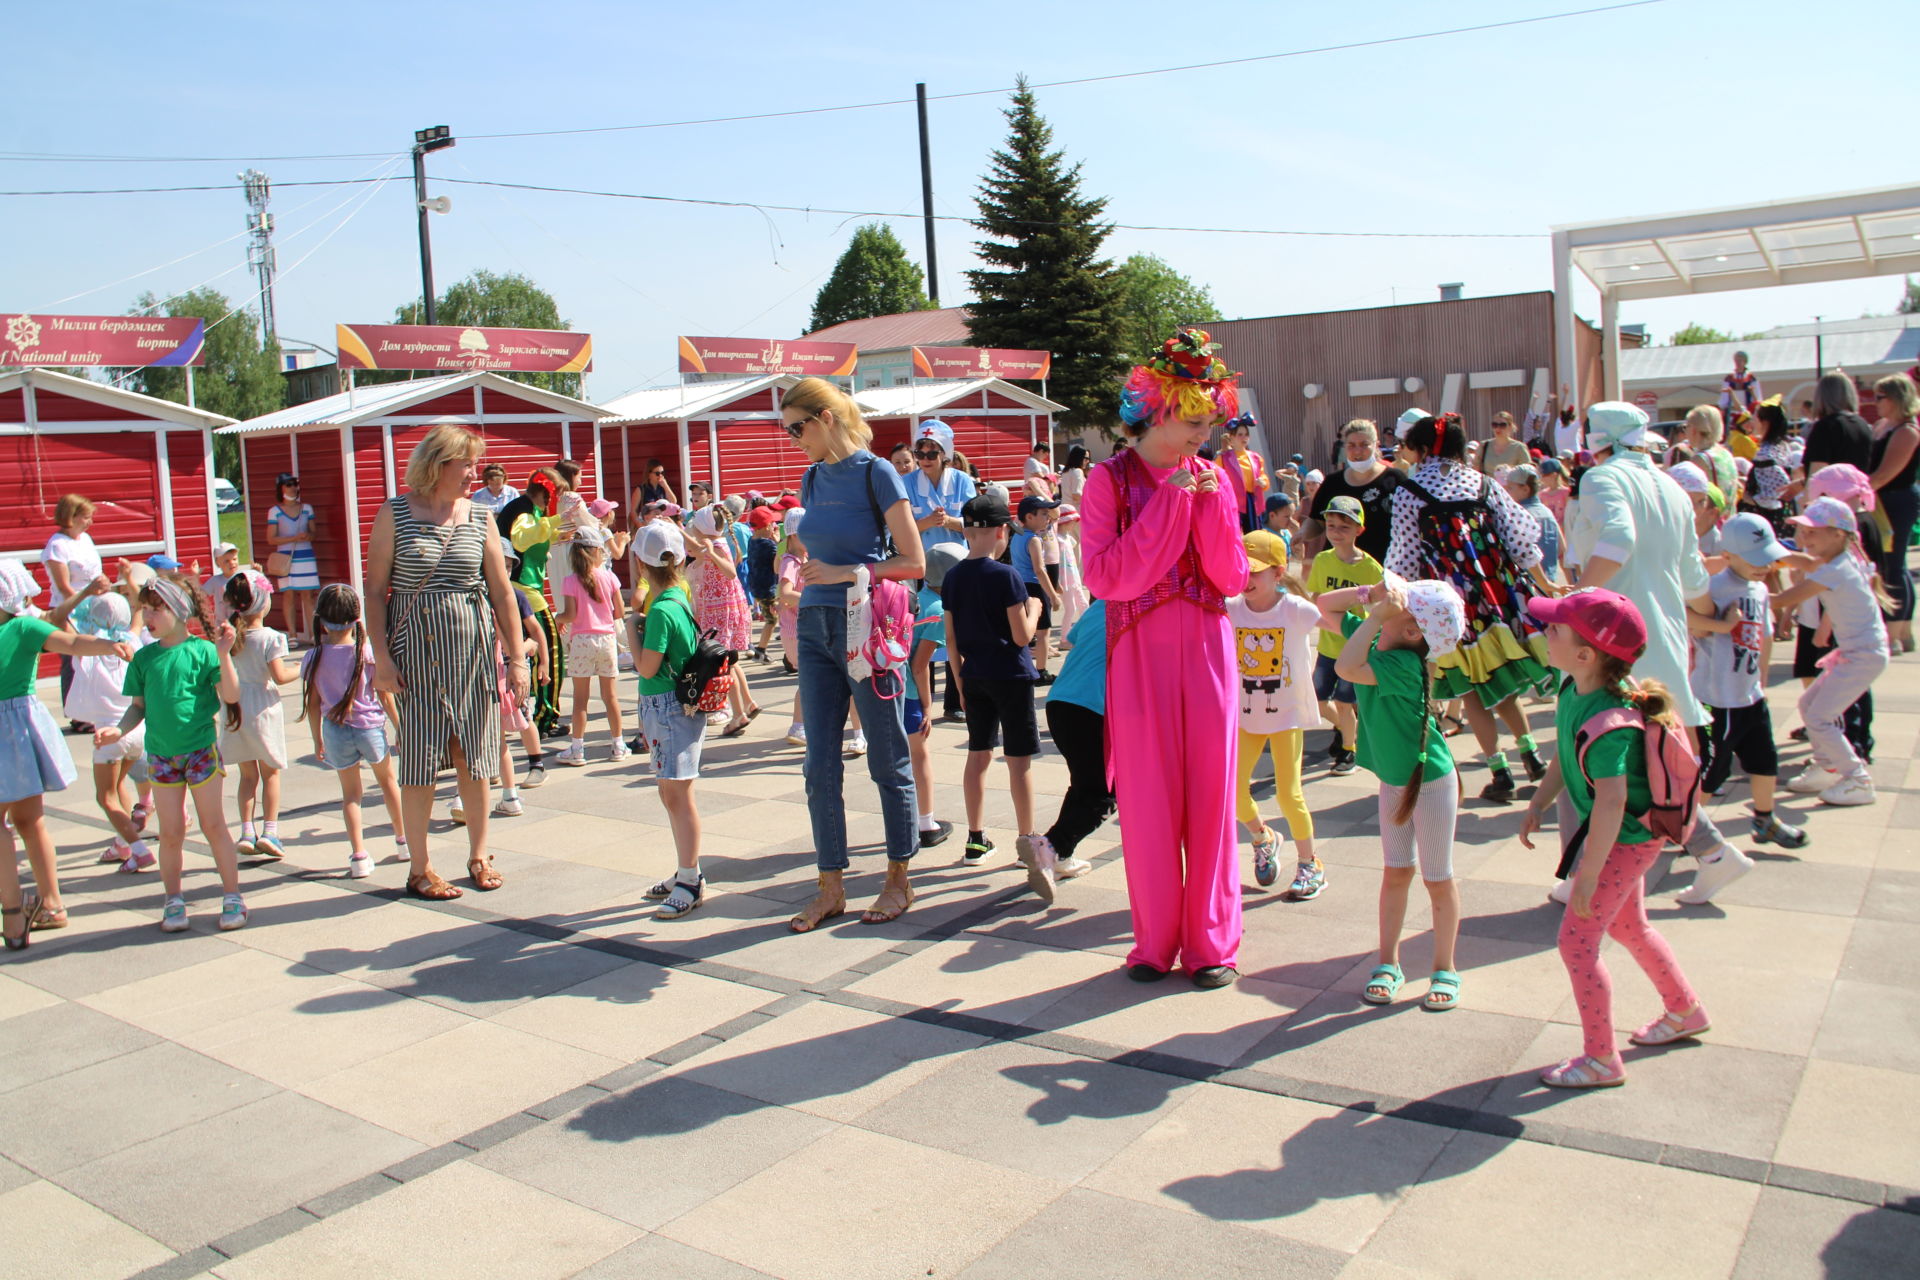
[[1386, 980], [1444, 983]]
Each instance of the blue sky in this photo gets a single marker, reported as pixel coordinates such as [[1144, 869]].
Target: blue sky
[[1678, 105]]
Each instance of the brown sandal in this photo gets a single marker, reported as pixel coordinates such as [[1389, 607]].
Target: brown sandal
[[484, 877], [815, 914], [431, 888], [881, 911]]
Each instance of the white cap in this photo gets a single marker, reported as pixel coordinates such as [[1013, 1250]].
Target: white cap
[[592, 535], [790, 523], [223, 548], [1406, 421], [705, 523], [1315, 476], [659, 543], [1689, 477]]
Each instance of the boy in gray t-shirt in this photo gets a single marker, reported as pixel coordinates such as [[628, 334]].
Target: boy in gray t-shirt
[[1730, 653]]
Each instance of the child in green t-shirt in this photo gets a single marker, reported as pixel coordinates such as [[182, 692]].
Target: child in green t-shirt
[[1343, 564], [1386, 657], [674, 737], [1595, 636]]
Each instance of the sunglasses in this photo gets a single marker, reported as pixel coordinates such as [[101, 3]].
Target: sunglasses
[[656, 474], [799, 425], [928, 453]]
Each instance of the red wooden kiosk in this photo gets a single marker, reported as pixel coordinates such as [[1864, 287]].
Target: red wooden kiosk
[[995, 422], [350, 450]]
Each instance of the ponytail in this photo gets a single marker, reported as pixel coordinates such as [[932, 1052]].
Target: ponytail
[[1650, 698], [1410, 794]]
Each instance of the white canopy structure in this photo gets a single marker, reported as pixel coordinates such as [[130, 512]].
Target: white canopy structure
[[1845, 236]]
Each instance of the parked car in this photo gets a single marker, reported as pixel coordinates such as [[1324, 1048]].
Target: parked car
[[226, 496]]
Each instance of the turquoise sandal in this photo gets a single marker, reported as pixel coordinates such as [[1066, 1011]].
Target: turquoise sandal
[[1444, 983], [1385, 979]]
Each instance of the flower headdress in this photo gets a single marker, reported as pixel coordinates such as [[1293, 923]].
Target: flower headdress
[[1186, 379]]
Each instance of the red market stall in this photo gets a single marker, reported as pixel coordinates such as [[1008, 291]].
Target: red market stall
[[350, 450], [725, 433], [995, 423], [146, 463]]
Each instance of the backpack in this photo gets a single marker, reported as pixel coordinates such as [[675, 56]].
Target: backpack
[[879, 628], [1673, 776], [703, 682]]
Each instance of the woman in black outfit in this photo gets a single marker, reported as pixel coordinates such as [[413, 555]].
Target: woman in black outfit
[[1893, 463]]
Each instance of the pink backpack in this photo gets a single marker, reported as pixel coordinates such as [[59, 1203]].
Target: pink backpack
[[879, 628], [1673, 775]]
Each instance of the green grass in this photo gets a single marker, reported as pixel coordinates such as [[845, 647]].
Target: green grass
[[233, 528]]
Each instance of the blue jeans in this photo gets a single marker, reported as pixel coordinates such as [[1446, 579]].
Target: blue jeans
[[825, 689]]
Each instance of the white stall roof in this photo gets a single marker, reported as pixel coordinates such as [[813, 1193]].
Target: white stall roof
[[392, 399]]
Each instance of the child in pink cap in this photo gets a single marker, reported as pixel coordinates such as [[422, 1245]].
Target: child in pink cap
[[1594, 636]]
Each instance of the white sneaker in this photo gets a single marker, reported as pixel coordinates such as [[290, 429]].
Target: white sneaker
[[857, 745], [1717, 870], [359, 866], [1071, 868], [173, 916], [620, 750], [1036, 852], [457, 815], [505, 808], [573, 755], [1812, 780], [1849, 791], [797, 735], [1562, 891]]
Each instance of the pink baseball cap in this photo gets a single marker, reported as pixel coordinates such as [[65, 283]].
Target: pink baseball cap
[[1605, 619], [1826, 513], [599, 507]]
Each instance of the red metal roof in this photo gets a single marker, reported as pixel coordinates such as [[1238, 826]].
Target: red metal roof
[[946, 327]]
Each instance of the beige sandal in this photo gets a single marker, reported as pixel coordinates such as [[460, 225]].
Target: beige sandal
[[828, 904], [899, 891]]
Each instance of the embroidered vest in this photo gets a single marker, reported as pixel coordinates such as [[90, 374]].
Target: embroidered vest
[[1135, 487]]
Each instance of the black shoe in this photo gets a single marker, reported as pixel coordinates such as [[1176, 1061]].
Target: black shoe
[[1344, 763], [941, 830], [1215, 976], [1044, 678], [554, 731], [1145, 973], [1536, 767], [1336, 747], [759, 654], [637, 744], [1501, 789]]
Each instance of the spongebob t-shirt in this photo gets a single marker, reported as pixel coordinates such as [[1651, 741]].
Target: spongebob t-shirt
[[1276, 651]]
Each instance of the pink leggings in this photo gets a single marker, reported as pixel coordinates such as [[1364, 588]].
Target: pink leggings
[[1619, 910]]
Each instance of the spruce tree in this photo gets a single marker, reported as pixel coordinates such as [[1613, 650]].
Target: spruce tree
[[872, 278], [1045, 286]]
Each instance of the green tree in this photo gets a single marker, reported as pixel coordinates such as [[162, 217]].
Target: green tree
[[238, 379], [1045, 286], [1696, 334], [1155, 301], [872, 278], [485, 300], [1909, 298]]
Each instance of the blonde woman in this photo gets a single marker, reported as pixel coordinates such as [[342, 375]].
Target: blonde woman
[[854, 502], [1894, 459], [435, 650]]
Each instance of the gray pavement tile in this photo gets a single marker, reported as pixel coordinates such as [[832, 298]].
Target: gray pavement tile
[[92, 962], [1804, 1237], [652, 1152], [185, 1266], [359, 1191], [654, 1257], [94, 1111], [1024, 1108], [1600, 1142], [1838, 1186], [13, 1175], [556, 891], [62, 1039], [425, 1162], [1893, 895], [1872, 1025], [1717, 1163], [1881, 951], [1803, 883], [207, 1179], [492, 974], [511, 1127], [1704, 1095], [1074, 1239], [1455, 1057], [560, 1104], [263, 1232]]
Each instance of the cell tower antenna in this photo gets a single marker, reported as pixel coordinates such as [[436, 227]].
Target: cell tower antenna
[[260, 256]]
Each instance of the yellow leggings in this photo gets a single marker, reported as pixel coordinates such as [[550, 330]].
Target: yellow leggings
[[1286, 779]]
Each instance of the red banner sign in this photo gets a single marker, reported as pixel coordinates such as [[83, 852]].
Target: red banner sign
[[980, 362], [767, 355], [452, 349], [122, 342]]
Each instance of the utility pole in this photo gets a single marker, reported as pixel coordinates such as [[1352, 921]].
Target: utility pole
[[926, 195], [260, 256], [438, 138]]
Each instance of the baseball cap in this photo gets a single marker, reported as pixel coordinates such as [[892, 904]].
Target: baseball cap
[[1604, 619], [986, 510], [223, 548], [1265, 550], [1552, 467], [600, 508], [161, 563], [942, 556], [1278, 501], [660, 543], [1298, 458], [1614, 424], [1751, 538], [1034, 502], [1315, 476], [592, 535], [1349, 506], [1826, 513], [761, 518], [1406, 422]]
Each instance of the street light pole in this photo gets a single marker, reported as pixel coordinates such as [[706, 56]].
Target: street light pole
[[438, 138]]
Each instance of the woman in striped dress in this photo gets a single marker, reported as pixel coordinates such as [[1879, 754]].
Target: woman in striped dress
[[290, 529], [434, 649]]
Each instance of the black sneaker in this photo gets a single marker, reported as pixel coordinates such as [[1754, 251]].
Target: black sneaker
[[1044, 678], [759, 654], [1536, 767], [1335, 747], [1344, 763], [976, 853], [1501, 790], [941, 830]]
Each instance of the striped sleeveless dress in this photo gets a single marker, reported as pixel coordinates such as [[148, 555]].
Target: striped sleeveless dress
[[442, 640]]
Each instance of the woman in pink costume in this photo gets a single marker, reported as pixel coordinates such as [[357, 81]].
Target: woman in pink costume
[[1162, 548]]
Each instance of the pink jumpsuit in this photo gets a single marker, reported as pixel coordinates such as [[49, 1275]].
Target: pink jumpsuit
[[1172, 690]]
